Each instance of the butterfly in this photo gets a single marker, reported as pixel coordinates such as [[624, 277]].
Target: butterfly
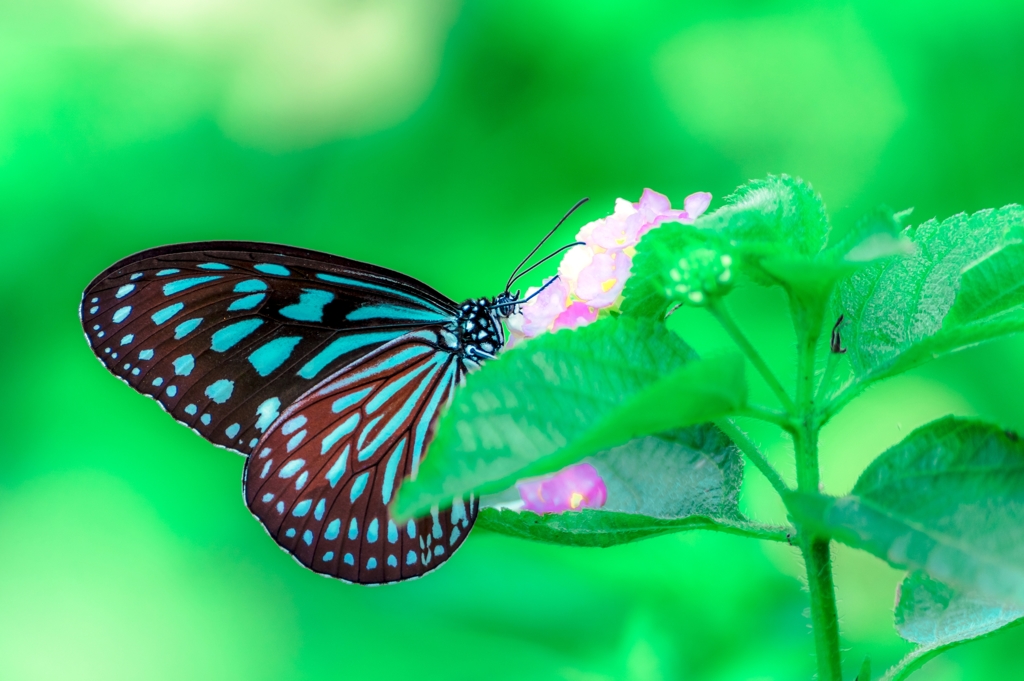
[[326, 373]]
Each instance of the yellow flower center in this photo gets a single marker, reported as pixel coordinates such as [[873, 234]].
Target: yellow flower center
[[575, 500], [607, 285]]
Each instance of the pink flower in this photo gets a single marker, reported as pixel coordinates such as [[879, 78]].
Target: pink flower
[[695, 204], [618, 230], [578, 486], [536, 315], [600, 283], [592, 275], [654, 209], [577, 314]]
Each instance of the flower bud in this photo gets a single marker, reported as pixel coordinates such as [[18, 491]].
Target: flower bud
[[700, 273]]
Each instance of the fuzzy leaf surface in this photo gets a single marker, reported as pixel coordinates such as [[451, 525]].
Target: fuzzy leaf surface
[[938, 618], [683, 479], [777, 232], [963, 285], [948, 500], [560, 397]]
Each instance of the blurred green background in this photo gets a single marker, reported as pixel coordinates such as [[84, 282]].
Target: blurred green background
[[442, 139]]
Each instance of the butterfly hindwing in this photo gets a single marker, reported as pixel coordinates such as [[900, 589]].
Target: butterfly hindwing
[[226, 335], [322, 476]]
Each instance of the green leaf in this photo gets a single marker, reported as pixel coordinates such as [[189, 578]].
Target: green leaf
[[865, 670], [779, 214], [963, 285], [948, 500], [938, 618], [776, 229], [778, 217], [599, 528], [559, 397], [656, 254], [683, 479]]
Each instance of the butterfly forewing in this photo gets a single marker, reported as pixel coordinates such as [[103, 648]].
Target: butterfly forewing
[[322, 476], [225, 335]]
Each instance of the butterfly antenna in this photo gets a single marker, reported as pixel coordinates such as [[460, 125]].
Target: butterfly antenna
[[537, 247], [541, 262], [533, 295]]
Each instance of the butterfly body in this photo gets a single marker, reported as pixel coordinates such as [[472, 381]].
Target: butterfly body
[[327, 373]]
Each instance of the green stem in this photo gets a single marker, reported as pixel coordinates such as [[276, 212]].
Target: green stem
[[824, 614], [776, 533], [756, 457], [779, 418], [826, 379], [718, 310], [815, 548]]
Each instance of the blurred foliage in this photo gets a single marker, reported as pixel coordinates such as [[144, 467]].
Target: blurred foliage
[[397, 129]]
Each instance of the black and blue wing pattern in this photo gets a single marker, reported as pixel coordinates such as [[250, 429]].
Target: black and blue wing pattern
[[326, 471], [328, 373], [225, 335]]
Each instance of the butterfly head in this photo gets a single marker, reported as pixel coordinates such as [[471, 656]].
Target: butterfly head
[[479, 326], [506, 304]]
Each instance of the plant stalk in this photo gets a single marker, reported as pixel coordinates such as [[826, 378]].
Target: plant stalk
[[754, 454], [824, 613], [815, 548], [718, 310]]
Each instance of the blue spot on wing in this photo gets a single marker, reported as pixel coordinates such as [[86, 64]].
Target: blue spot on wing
[[122, 314], [214, 266], [220, 391], [341, 431], [344, 345], [267, 412], [310, 307], [390, 470], [164, 273], [395, 313], [291, 468], [269, 357], [270, 268], [183, 365], [250, 286], [124, 290], [338, 469], [343, 403], [161, 316], [226, 338], [185, 328], [333, 529], [247, 303], [383, 289], [358, 487], [184, 284], [293, 424]]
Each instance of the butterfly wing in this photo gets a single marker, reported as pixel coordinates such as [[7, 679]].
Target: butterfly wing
[[226, 334], [323, 475]]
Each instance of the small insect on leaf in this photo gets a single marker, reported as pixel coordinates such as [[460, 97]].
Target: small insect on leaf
[[837, 341]]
